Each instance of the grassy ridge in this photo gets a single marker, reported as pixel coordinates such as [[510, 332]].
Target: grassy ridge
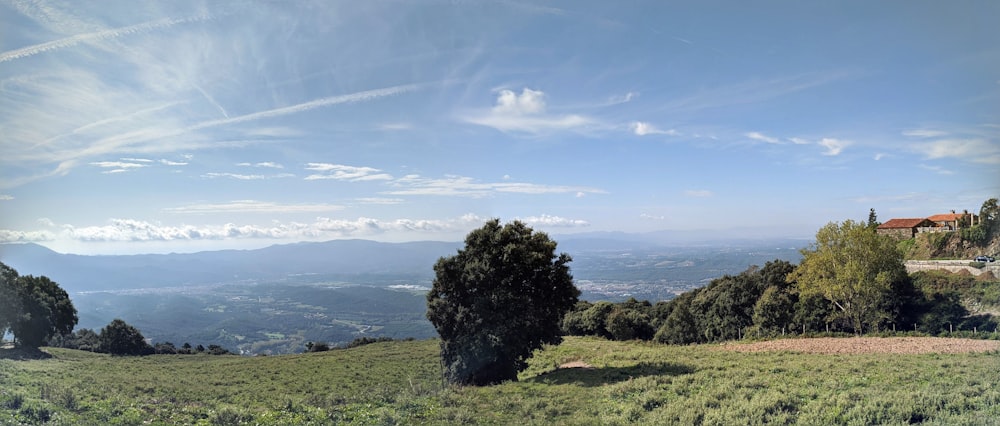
[[399, 382]]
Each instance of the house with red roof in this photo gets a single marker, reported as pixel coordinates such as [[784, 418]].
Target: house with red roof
[[905, 228], [952, 221]]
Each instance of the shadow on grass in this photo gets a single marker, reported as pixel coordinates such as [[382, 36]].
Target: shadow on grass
[[21, 353], [597, 376]]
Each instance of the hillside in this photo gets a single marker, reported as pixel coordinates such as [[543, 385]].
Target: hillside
[[950, 245], [612, 383]]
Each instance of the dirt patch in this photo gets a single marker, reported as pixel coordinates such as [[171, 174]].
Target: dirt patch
[[576, 364], [869, 345]]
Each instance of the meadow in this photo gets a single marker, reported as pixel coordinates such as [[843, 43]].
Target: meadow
[[400, 383]]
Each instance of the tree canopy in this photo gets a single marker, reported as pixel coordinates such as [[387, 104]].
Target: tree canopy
[[120, 338], [497, 300], [856, 269], [33, 308]]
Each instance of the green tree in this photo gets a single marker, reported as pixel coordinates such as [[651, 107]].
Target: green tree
[[42, 309], [10, 303], [680, 327], [856, 269], [497, 300], [120, 338], [873, 219], [628, 323], [989, 213], [774, 310]]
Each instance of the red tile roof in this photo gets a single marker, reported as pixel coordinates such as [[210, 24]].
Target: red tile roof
[[946, 217], [901, 223]]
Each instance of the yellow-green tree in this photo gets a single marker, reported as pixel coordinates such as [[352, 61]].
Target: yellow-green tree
[[856, 269]]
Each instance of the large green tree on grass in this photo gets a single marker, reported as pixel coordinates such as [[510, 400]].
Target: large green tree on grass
[[33, 308], [856, 269], [120, 338], [497, 300]]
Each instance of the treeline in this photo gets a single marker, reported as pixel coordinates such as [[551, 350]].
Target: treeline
[[765, 302], [120, 338], [360, 341]]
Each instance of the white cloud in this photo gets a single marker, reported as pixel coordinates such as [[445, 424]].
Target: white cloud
[[380, 200], [131, 230], [173, 163], [879, 156], [757, 136], [137, 160], [238, 176], [615, 100], [978, 150], [266, 164], [526, 113], [833, 146], [347, 173], [937, 169], [924, 133], [651, 217], [5, 197], [642, 129], [252, 206], [469, 187], [799, 141], [118, 166], [698, 193], [529, 102], [553, 221]]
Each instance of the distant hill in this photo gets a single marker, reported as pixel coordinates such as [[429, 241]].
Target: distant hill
[[78, 273], [363, 261]]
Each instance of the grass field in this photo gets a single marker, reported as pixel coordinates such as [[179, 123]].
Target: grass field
[[399, 383]]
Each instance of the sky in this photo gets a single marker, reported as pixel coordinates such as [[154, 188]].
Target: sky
[[179, 126]]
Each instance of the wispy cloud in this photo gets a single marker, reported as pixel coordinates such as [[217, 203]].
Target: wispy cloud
[[119, 166], [526, 113], [753, 91], [833, 146], [131, 230], [647, 216], [924, 133], [698, 193], [380, 200], [347, 173], [266, 164], [977, 150], [239, 176], [757, 136], [98, 35], [641, 128], [367, 95], [468, 187], [553, 221], [5, 197], [252, 206], [937, 169]]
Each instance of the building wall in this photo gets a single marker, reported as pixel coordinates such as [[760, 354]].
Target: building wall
[[901, 233]]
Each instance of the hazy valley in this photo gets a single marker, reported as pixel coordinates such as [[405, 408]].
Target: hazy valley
[[276, 299]]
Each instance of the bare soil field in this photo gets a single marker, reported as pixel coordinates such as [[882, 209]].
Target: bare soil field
[[869, 345]]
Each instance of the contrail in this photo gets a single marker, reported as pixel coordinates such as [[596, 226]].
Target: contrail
[[98, 35], [305, 106]]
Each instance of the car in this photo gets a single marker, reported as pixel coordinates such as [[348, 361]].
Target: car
[[985, 259]]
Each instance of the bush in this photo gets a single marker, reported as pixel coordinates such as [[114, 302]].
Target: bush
[[317, 347]]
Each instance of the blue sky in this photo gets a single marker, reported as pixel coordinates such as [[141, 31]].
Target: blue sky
[[134, 127]]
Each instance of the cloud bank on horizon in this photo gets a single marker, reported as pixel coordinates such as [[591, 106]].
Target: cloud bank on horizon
[[196, 124]]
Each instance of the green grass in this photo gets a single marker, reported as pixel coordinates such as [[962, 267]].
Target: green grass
[[399, 383]]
